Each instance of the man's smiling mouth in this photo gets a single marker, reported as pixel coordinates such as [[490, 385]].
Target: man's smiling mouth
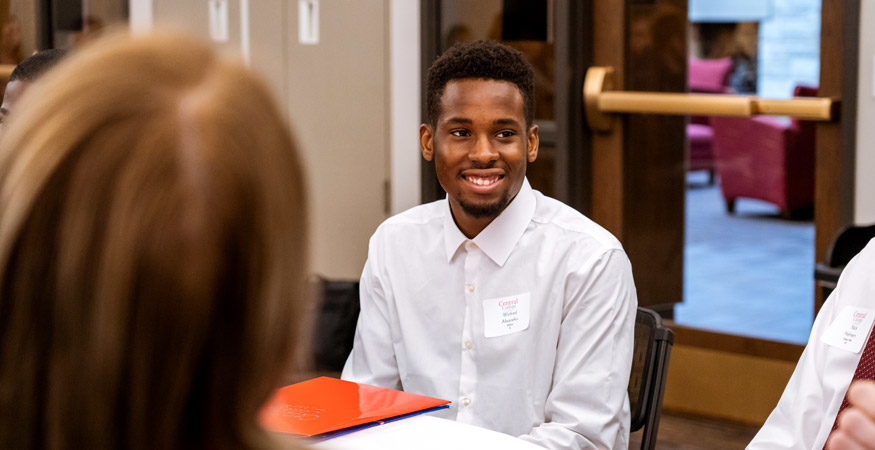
[[483, 181]]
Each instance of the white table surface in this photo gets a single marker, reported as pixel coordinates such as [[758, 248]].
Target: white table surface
[[424, 432]]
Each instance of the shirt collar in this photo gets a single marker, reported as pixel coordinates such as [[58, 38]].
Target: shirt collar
[[499, 238]]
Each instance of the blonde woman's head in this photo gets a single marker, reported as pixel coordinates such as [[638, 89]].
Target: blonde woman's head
[[152, 252]]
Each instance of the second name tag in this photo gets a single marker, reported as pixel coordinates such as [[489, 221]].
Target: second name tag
[[850, 329], [506, 315]]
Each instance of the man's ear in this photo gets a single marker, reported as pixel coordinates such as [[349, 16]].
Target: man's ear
[[426, 141], [533, 142]]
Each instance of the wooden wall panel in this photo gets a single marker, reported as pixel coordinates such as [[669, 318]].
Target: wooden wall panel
[[638, 171], [836, 141], [608, 194], [726, 376], [733, 386]]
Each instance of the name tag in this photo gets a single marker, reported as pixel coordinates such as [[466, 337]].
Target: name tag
[[850, 329], [506, 315]]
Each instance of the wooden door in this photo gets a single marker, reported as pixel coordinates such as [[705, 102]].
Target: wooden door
[[638, 171]]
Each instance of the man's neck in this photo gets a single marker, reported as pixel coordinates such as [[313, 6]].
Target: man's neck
[[470, 225]]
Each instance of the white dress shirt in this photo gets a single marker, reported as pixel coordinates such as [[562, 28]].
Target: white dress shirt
[[808, 407], [430, 299]]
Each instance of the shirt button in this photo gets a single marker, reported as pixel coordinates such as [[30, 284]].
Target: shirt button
[[470, 287], [471, 246], [468, 345], [466, 401]]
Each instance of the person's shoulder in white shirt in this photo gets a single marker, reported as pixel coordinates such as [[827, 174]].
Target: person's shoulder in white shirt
[[417, 215], [552, 211], [808, 407]]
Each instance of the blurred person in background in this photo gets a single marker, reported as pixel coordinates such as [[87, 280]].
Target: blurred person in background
[[152, 251], [25, 74]]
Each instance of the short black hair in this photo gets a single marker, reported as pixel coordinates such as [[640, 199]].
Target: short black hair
[[479, 59], [35, 65]]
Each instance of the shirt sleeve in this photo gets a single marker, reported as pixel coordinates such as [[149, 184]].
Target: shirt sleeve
[[588, 406], [796, 420], [808, 407], [372, 360]]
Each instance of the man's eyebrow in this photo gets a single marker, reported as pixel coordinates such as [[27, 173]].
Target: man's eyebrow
[[507, 122], [459, 120]]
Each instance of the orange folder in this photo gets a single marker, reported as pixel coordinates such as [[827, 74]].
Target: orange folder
[[323, 405]]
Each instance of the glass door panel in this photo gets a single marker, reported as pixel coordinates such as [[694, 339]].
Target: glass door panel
[[749, 234]]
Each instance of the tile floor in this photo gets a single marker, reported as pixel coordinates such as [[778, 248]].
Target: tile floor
[[750, 273]]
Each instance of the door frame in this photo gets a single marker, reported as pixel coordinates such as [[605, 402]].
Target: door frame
[[719, 374]]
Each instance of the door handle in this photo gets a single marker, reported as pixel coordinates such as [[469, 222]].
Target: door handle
[[600, 101], [6, 71]]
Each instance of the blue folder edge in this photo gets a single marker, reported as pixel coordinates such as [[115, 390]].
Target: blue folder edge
[[348, 430]]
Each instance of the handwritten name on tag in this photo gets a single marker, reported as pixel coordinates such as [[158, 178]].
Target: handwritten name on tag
[[850, 329], [506, 315]]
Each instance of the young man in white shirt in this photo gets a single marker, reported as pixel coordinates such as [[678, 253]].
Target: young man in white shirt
[[511, 304], [807, 410]]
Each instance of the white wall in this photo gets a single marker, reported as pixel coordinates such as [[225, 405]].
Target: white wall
[[338, 93], [140, 14], [355, 131], [864, 202], [404, 82]]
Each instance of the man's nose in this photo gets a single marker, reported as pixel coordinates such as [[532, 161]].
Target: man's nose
[[483, 151]]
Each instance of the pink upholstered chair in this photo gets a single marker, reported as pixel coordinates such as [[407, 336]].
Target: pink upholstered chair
[[700, 153], [709, 75], [705, 76], [766, 158]]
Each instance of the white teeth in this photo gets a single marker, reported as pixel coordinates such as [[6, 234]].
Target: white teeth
[[482, 181]]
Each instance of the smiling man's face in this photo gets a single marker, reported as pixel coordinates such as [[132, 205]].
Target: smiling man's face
[[481, 146]]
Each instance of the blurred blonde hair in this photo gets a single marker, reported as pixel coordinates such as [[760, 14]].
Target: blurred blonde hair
[[152, 253]]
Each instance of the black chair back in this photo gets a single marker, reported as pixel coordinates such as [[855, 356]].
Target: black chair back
[[845, 246], [336, 317], [651, 353]]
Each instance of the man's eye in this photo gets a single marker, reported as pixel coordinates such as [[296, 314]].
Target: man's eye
[[505, 134], [460, 133]]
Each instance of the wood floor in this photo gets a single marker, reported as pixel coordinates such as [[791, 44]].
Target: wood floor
[[676, 432], [689, 433]]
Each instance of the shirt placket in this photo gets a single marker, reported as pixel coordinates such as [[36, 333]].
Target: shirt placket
[[467, 371]]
